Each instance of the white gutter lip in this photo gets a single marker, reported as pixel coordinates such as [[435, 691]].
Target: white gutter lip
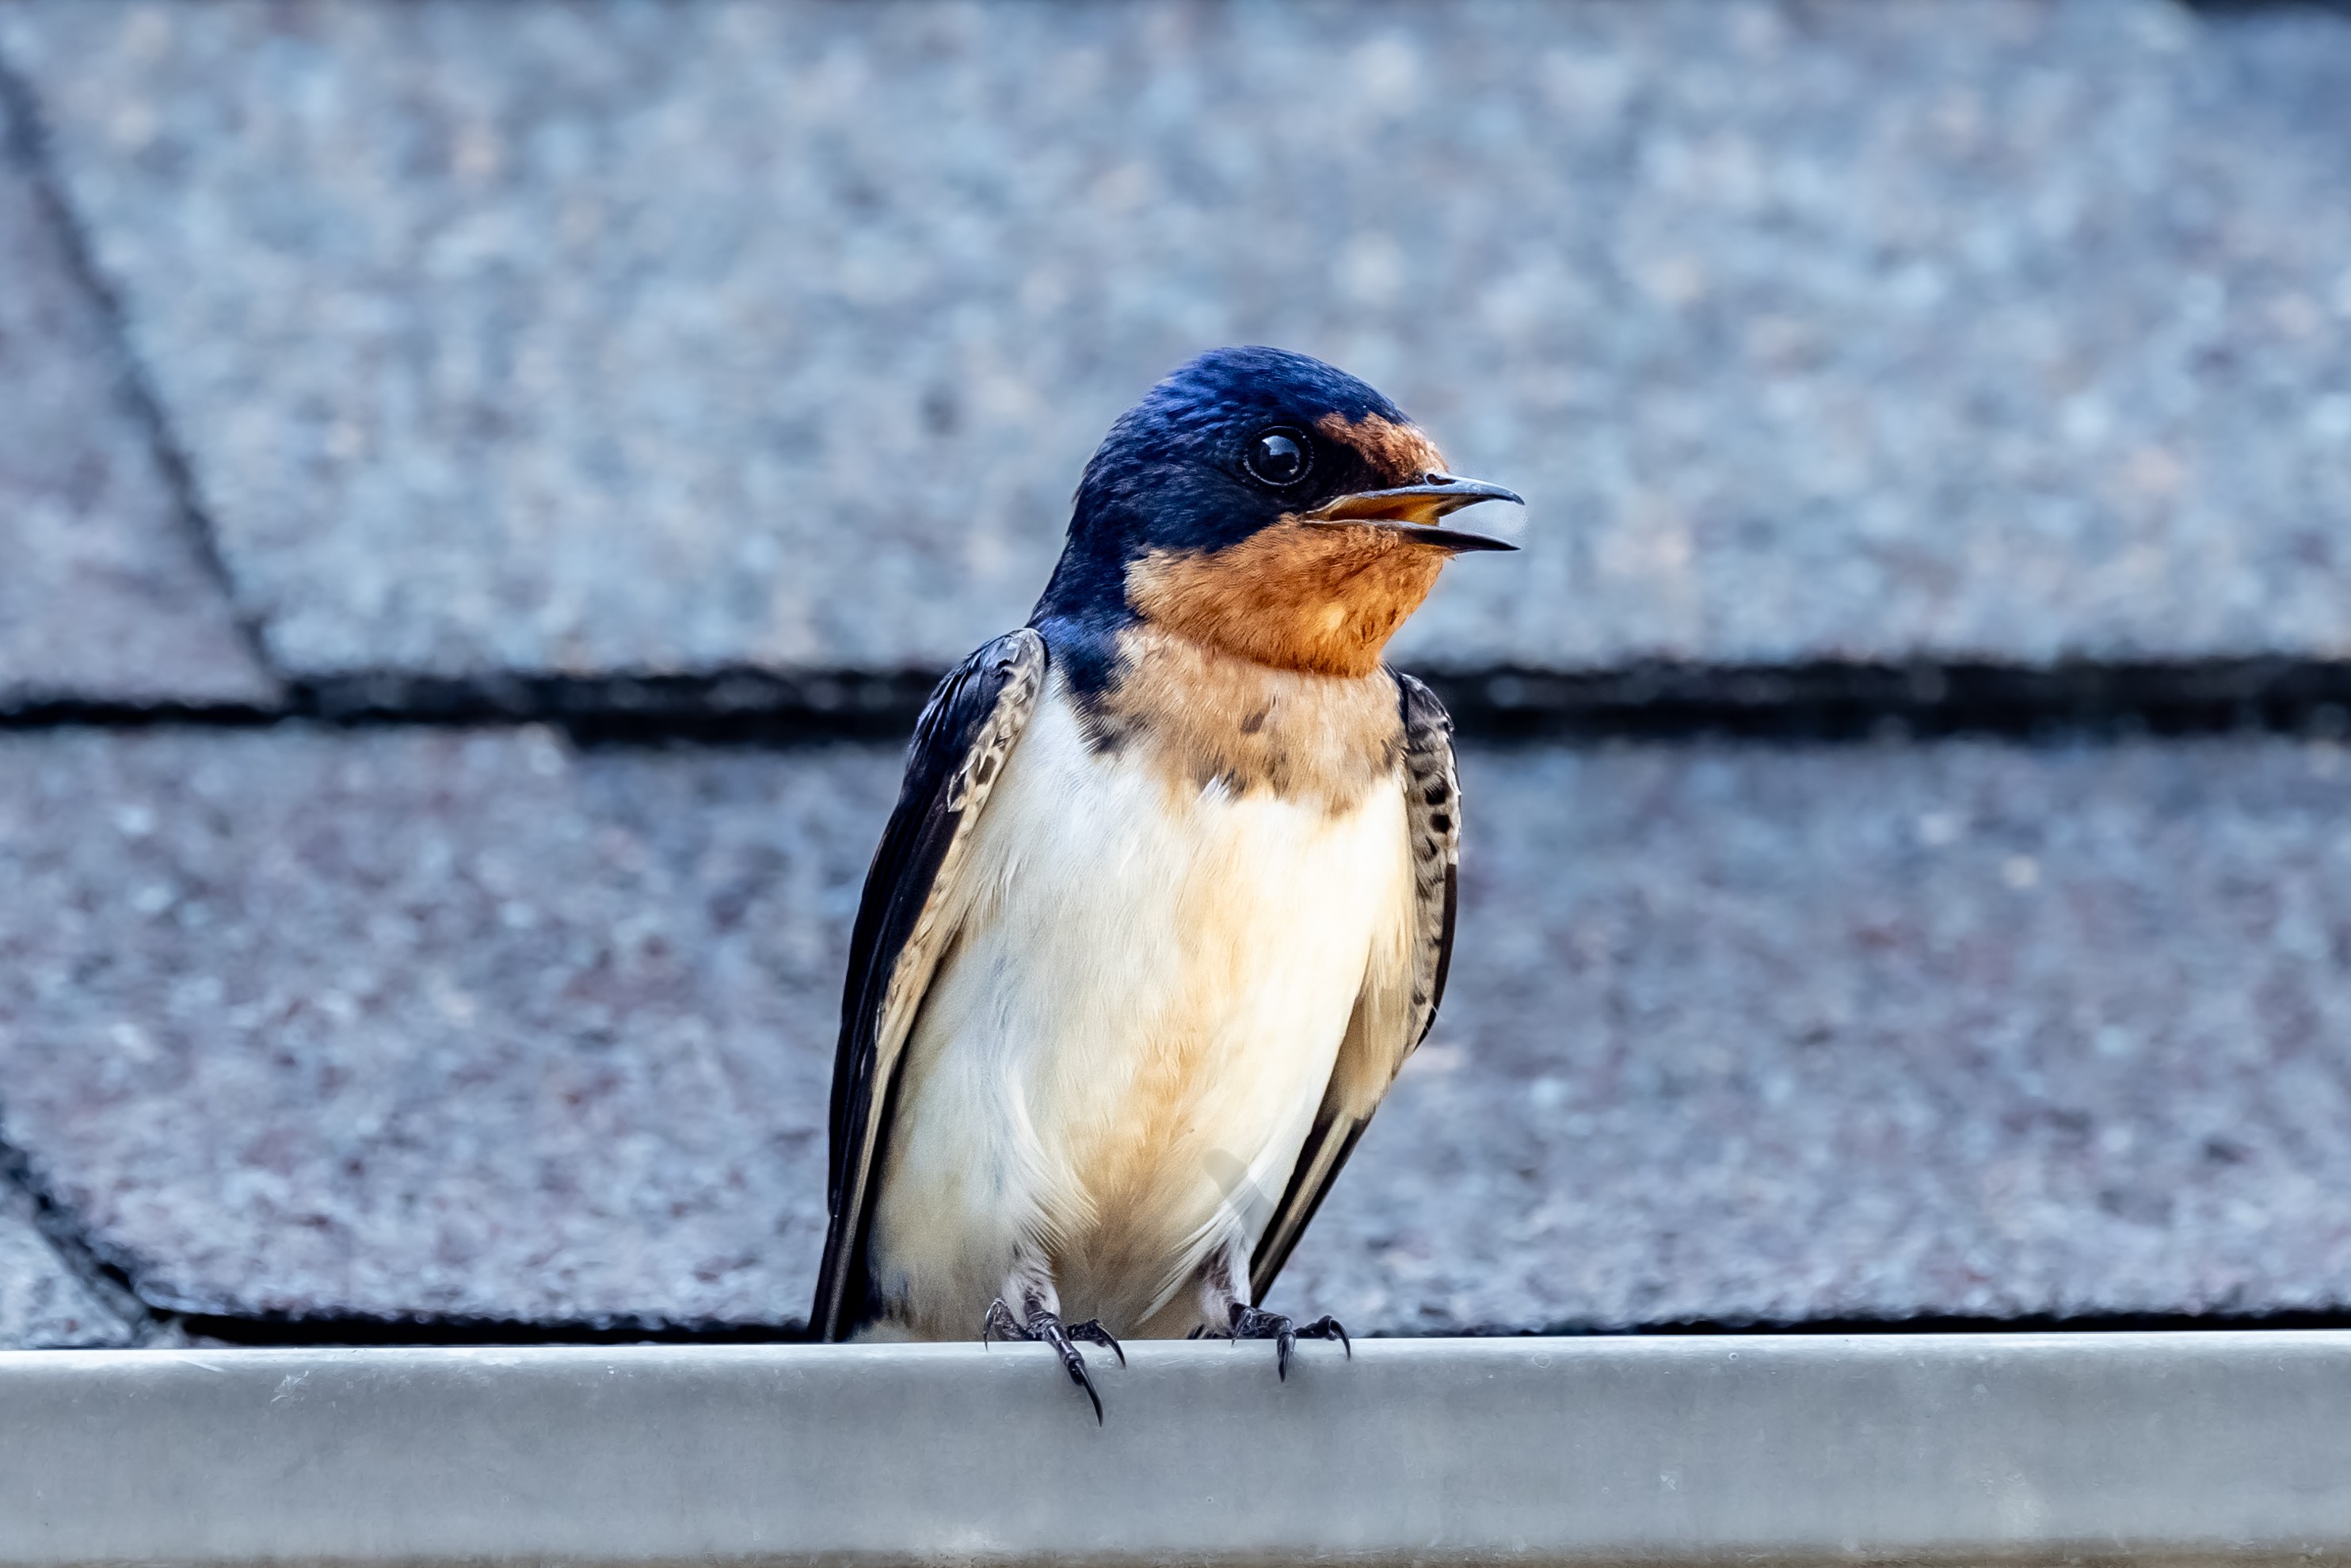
[[1799, 1448]]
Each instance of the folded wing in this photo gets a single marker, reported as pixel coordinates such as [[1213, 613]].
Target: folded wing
[[967, 729]]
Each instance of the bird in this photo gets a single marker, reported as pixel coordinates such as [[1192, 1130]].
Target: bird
[[1167, 895]]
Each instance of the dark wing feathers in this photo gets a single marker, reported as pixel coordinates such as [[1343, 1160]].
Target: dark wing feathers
[[1380, 1037], [966, 730], [1433, 812]]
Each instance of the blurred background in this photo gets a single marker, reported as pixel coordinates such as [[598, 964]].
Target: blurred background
[[484, 489]]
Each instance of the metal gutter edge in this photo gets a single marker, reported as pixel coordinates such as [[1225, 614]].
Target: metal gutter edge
[[1794, 1448]]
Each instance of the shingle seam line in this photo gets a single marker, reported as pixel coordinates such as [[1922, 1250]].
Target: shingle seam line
[[70, 1241], [1825, 700], [322, 1329], [133, 385]]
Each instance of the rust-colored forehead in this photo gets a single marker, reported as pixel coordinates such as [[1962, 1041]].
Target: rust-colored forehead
[[1398, 453]]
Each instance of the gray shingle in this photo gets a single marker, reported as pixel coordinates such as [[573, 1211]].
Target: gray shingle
[[103, 595], [422, 1021], [583, 337], [405, 1021], [1806, 1033]]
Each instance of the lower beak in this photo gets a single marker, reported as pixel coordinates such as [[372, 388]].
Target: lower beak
[[1413, 511]]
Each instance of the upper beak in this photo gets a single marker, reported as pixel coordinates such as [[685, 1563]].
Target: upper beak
[[1413, 510]]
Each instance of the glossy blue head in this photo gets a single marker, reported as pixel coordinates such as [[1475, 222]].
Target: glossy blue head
[[1235, 462]]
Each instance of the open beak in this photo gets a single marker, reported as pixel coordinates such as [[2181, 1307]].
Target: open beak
[[1414, 511]]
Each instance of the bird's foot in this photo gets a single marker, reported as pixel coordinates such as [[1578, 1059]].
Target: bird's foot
[[1249, 1324], [1063, 1337]]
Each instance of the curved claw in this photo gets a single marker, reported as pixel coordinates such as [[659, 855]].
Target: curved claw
[[1086, 1381], [1092, 1333], [1043, 1325], [1328, 1327], [999, 1324], [1051, 1332]]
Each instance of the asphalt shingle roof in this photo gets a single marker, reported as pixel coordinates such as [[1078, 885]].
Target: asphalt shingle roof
[[554, 337], [476, 1024], [604, 339]]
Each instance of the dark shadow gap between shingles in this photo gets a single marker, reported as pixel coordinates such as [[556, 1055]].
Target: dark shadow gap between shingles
[[326, 1330], [2224, 9], [1835, 700], [2214, 1322], [1823, 701]]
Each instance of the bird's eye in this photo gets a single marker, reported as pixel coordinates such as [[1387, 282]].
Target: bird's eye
[[1278, 457]]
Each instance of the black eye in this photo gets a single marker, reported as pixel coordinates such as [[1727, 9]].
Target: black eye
[[1278, 457]]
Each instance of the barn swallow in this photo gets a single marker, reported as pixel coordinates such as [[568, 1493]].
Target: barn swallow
[[1167, 896]]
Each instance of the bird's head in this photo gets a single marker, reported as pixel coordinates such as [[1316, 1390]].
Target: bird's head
[[1268, 505]]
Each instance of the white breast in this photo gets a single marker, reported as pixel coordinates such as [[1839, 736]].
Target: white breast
[[1125, 1048]]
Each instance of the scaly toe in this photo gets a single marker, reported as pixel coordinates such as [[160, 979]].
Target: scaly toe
[[1247, 1323]]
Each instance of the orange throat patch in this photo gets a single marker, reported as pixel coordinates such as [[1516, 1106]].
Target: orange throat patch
[[1207, 719], [1315, 598]]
